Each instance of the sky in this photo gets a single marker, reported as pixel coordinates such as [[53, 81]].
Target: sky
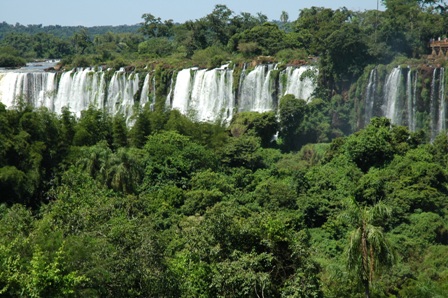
[[90, 13]]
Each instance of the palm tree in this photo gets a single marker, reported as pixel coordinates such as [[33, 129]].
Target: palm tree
[[284, 17], [368, 248], [124, 171]]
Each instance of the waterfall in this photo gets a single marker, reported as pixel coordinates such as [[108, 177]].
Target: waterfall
[[256, 92], [391, 105], [240, 82], [433, 105], [148, 93], [35, 89], [441, 125], [298, 83], [78, 89], [414, 103], [205, 95], [410, 102], [181, 94], [370, 96], [144, 96], [169, 97], [120, 95], [212, 95], [153, 102]]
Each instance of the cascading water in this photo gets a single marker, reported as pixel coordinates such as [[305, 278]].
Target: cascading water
[[182, 90], [153, 101], [256, 90], [413, 126], [410, 108], [121, 92], [370, 96], [36, 89], [205, 95], [78, 89], [411, 97], [392, 105], [144, 96], [433, 105], [298, 82], [441, 124]]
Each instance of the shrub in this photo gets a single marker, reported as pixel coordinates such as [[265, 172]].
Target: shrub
[[7, 60]]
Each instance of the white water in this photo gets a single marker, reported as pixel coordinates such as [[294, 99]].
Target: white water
[[402, 104], [204, 95], [182, 90], [78, 89], [298, 84], [256, 90], [370, 96], [433, 104], [441, 124], [144, 96], [120, 94], [410, 108], [391, 96], [36, 89]]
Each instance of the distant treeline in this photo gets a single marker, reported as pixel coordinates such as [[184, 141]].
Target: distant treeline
[[64, 31]]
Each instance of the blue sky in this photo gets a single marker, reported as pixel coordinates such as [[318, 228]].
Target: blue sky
[[128, 12]]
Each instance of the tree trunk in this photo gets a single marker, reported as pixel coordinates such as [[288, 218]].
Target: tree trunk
[[366, 288], [365, 261]]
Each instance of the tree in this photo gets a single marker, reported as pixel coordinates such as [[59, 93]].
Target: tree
[[371, 147], [316, 24], [368, 248], [292, 114], [119, 131], [7, 60], [269, 38], [284, 17], [173, 159], [81, 40], [154, 27], [156, 47], [347, 54], [263, 125], [141, 129]]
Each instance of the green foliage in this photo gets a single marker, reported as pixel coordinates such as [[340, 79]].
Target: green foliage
[[262, 125], [173, 158], [368, 249], [210, 57], [154, 27], [156, 47], [292, 114], [200, 212], [291, 54], [266, 39], [93, 126], [242, 152], [169, 207], [7, 60]]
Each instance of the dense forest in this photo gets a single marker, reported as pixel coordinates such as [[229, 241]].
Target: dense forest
[[298, 202]]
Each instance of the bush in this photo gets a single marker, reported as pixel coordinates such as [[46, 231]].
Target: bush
[[81, 61], [211, 57], [7, 60], [289, 55], [156, 47]]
